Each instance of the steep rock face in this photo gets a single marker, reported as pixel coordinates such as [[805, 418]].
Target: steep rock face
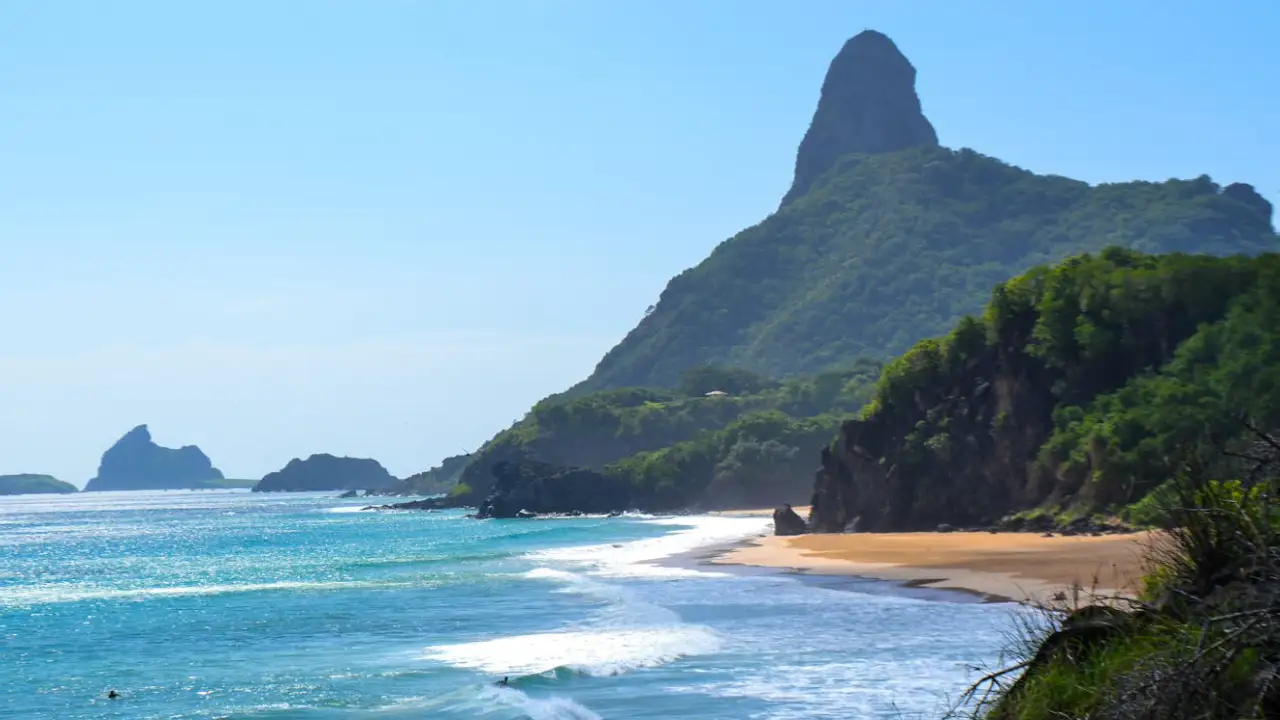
[[1050, 397], [135, 462], [30, 484], [537, 487], [868, 105], [327, 472], [878, 479]]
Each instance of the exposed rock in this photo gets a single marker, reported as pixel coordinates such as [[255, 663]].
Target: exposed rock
[[350, 494], [539, 488], [428, 504], [327, 472], [135, 462], [868, 105], [30, 484], [787, 521]]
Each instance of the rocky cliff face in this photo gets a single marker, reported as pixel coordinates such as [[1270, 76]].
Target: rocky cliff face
[[868, 105], [135, 462], [327, 472], [531, 487], [879, 476]]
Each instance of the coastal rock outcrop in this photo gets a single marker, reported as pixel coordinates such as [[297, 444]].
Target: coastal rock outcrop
[[327, 472], [537, 487], [30, 484], [868, 105], [786, 521], [135, 462]]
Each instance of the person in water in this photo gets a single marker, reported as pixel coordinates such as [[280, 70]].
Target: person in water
[[112, 694], [503, 681]]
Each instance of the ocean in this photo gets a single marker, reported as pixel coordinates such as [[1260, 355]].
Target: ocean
[[302, 607]]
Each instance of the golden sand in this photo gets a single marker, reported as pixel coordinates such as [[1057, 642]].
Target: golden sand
[[1023, 567]]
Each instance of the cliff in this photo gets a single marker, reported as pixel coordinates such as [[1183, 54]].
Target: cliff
[[134, 462], [29, 484], [1076, 391], [327, 472]]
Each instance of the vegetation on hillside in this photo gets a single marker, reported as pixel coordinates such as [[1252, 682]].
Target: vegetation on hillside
[[673, 443], [1203, 640], [887, 249], [28, 483], [1077, 389]]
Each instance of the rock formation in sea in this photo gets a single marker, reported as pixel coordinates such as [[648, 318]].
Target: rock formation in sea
[[868, 105], [531, 487], [327, 472], [135, 462], [30, 483]]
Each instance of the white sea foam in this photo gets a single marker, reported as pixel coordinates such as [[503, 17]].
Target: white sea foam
[[550, 708], [638, 558], [346, 509], [622, 608], [590, 652], [62, 593]]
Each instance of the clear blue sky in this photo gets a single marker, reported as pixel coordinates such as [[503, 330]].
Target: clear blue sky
[[386, 228]]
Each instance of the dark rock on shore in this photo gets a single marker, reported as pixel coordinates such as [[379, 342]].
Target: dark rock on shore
[[786, 521], [540, 488], [135, 462], [427, 504], [326, 472]]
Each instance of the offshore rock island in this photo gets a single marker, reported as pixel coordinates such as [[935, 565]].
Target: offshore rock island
[[135, 462]]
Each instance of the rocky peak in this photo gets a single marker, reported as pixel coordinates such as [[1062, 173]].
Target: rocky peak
[[135, 462], [868, 105]]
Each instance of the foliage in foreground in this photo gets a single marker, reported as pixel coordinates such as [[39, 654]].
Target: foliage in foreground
[[1202, 643]]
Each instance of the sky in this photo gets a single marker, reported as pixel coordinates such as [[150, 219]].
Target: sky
[[386, 228]]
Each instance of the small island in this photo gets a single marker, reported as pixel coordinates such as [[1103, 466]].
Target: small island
[[33, 484], [135, 462], [323, 472]]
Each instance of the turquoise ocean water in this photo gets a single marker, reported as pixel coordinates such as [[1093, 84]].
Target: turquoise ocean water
[[301, 607]]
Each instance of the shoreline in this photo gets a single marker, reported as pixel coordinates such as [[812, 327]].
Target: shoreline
[[992, 567]]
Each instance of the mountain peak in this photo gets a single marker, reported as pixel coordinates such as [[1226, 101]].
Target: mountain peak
[[868, 105]]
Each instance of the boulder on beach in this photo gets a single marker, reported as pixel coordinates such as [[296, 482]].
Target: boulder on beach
[[786, 521]]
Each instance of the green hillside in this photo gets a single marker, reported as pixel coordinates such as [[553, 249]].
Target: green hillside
[[884, 238], [1082, 388], [28, 483], [888, 249], [684, 424]]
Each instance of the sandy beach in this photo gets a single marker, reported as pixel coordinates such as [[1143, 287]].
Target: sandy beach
[[1022, 567]]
